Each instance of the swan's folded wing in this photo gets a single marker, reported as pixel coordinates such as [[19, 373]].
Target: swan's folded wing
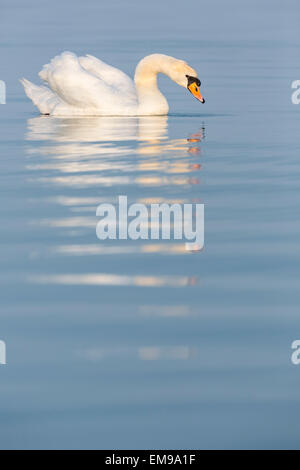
[[43, 98], [110, 75], [81, 87]]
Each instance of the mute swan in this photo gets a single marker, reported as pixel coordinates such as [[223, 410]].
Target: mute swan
[[86, 86]]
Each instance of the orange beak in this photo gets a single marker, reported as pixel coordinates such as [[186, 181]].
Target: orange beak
[[194, 89]]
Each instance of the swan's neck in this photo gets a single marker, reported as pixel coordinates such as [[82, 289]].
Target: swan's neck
[[151, 100]]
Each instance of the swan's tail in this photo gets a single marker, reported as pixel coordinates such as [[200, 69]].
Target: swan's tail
[[41, 96]]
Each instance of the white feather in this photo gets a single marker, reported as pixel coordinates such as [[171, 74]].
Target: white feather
[[43, 98]]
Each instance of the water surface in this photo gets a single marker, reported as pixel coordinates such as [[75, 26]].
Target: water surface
[[123, 344]]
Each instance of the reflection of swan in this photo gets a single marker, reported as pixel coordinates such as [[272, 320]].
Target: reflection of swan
[[88, 86], [92, 151], [96, 129]]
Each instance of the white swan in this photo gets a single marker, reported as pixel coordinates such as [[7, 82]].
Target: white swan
[[86, 86]]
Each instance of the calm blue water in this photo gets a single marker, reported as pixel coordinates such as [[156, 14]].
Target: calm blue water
[[126, 344]]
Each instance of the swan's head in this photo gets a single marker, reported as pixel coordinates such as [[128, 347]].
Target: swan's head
[[146, 80], [193, 84], [187, 77]]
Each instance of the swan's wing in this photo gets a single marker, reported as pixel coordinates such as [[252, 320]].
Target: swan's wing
[[110, 75], [43, 98], [81, 88]]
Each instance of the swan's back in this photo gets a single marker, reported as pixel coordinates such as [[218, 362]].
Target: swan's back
[[108, 74]]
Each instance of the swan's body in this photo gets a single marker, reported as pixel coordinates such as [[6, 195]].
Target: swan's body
[[86, 86]]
